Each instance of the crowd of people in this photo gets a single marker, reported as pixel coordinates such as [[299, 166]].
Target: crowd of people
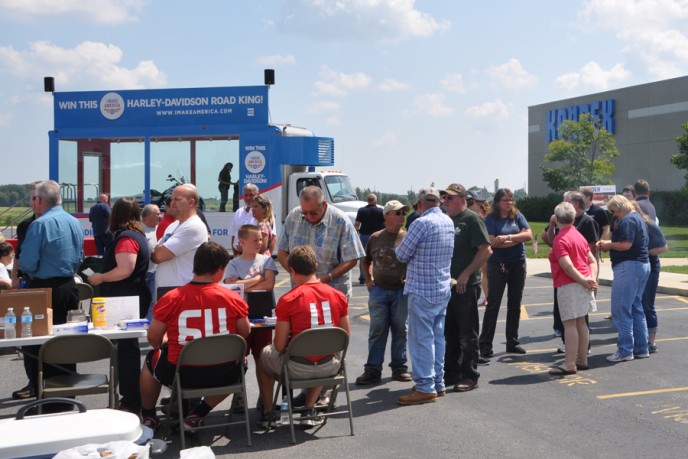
[[425, 279]]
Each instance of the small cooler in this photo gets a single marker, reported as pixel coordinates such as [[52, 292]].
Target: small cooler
[[43, 436]]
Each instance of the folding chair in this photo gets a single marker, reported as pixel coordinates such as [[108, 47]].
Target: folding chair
[[211, 350], [310, 343], [73, 349], [85, 296]]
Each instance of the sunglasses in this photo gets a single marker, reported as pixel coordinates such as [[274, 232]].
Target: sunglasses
[[312, 213]]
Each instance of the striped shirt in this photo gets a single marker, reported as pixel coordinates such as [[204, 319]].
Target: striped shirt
[[427, 248]]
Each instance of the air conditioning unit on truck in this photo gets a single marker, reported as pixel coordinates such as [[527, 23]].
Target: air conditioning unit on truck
[[129, 143]]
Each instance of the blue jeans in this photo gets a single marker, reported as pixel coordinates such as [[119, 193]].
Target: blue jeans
[[426, 342], [364, 240], [649, 295], [627, 308], [388, 308]]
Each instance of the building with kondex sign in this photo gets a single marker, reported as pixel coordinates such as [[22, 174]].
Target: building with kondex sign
[[645, 121]]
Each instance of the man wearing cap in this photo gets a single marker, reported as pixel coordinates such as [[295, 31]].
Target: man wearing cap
[[462, 324], [427, 248], [387, 303]]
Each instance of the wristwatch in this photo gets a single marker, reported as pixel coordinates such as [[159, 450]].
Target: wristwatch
[[510, 238]]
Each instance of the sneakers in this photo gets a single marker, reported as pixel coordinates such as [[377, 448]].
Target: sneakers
[[192, 422], [642, 355], [653, 348], [416, 398], [401, 375], [561, 349], [483, 361], [616, 357], [515, 350], [151, 422], [311, 418], [271, 419], [29, 392], [368, 377]]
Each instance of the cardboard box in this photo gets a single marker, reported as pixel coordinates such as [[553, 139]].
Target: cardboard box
[[39, 300]]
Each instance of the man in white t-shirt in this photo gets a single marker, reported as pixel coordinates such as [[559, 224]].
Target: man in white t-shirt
[[175, 252], [243, 216]]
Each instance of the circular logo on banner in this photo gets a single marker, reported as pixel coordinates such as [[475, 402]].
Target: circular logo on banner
[[255, 162], [112, 105]]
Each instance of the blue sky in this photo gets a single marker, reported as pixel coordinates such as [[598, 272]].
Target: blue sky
[[413, 92]]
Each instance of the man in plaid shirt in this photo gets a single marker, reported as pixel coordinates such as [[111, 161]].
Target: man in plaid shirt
[[427, 248]]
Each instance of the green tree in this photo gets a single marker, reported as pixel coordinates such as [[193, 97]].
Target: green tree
[[680, 159], [582, 156]]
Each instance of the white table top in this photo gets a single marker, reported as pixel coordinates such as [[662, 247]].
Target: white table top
[[109, 333]]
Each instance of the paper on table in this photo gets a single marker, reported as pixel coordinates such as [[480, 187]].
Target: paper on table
[[120, 308], [238, 288]]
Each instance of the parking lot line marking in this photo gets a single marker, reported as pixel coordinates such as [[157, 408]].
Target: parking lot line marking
[[282, 282], [680, 298], [549, 303], [644, 392], [524, 313]]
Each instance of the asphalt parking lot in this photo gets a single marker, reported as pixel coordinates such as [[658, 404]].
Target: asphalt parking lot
[[629, 409]]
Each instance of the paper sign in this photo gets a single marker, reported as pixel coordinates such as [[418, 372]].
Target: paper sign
[[121, 308], [238, 288]]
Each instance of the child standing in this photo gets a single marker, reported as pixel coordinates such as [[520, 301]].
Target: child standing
[[255, 272]]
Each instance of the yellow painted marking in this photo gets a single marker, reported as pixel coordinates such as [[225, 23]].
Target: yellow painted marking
[[282, 282], [551, 350], [680, 298], [524, 313], [644, 392], [365, 317]]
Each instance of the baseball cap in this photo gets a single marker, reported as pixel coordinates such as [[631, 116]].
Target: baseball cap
[[394, 205], [429, 194], [475, 196], [455, 189]]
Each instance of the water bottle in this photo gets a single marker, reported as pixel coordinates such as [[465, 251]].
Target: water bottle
[[284, 411], [26, 323], [10, 324]]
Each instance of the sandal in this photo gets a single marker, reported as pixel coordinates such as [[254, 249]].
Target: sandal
[[582, 366], [561, 371]]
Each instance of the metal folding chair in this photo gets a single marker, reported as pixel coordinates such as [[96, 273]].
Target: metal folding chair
[[211, 350], [73, 349], [311, 343]]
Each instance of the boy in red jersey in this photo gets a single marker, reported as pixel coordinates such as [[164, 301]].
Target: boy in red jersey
[[309, 304], [184, 314]]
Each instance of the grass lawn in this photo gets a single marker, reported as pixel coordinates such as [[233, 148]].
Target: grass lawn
[[7, 216], [677, 240]]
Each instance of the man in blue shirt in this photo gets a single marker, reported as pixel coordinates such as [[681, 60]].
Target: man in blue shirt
[[99, 216], [51, 255], [427, 248]]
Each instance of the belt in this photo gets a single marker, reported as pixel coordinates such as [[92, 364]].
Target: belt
[[305, 361]]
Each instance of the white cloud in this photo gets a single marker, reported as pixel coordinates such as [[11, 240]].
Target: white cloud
[[390, 84], [511, 75], [495, 110], [99, 11], [277, 59], [89, 65], [340, 84], [333, 120], [651, 29], [324, 106], [453, 82], [433, 105], [359, 20], [591, 75], [388, 138]]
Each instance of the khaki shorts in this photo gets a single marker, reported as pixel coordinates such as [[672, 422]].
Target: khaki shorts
[[271, 361]]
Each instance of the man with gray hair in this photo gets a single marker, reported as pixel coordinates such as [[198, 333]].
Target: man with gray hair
[[150, 217], [427, 248], [243, 216], [51, 255], [329, 232]]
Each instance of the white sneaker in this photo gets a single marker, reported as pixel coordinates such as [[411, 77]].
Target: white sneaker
[[616, 357], [646, 355], [561, 349]]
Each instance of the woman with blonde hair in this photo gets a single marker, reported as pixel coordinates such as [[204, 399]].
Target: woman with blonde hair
[[262, 212], [628, 250]]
